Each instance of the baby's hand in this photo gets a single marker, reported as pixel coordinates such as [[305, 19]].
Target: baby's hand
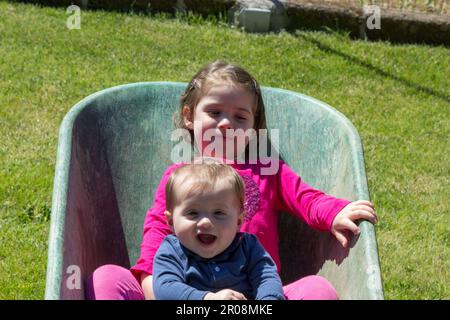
[[344, 220], [225, 294]]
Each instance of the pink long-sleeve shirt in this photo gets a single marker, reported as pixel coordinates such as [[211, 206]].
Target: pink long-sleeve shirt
[[265, 197]]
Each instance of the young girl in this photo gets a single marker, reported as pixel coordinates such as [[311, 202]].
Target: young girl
[[221, 98]]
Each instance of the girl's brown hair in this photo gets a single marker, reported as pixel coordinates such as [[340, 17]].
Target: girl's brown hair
[[215, 73]]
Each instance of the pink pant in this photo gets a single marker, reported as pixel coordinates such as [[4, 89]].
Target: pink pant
[[111, 282]]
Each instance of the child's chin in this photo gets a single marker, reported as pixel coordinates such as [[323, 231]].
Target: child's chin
[[207, 256]]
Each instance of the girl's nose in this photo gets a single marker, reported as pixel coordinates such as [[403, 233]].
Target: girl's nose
[[225, 123], [204, 223]]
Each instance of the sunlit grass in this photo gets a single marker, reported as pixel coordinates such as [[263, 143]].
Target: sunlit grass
[[396, 95]]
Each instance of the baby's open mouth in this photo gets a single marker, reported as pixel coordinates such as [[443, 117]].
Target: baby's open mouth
[[206, 238]]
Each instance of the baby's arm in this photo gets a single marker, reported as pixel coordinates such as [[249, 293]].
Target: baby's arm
[[344, 220], [168, 276], [263, 273], [225, 294]]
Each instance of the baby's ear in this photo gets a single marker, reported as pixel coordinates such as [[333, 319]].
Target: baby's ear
[[187, 118], [241, 219], [169, 218]]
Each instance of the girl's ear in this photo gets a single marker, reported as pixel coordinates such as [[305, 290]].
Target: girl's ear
[[187, 118], [169, 218]]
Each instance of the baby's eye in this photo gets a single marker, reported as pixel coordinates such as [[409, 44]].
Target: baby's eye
[[219, 213], [191, 214]]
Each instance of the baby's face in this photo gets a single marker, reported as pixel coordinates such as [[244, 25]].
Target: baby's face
[[206, 222], [221, 116]]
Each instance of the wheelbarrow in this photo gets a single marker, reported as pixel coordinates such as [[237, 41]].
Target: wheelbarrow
[[113, 149]]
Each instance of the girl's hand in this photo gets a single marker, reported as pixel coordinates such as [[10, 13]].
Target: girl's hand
[[225, 294], [147, 286], [344, 220]]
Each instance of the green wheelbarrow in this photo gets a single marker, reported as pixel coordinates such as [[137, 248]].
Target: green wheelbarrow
[[113, 148]]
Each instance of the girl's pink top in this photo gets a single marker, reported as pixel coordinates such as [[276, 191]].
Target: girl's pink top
[[266, 196]]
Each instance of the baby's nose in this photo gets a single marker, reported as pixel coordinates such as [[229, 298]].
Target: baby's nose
[[204, 223]]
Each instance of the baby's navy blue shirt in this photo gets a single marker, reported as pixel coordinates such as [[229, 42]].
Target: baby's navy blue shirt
[[180, 274]]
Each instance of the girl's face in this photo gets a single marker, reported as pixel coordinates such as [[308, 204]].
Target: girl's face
[[216, 120]]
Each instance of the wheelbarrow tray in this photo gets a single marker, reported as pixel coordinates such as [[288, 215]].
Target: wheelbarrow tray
[[114, 147]]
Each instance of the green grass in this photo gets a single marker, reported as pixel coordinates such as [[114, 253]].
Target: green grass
[[396, 95]]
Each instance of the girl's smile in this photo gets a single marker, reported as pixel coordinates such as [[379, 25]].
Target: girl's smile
[[218, 115]]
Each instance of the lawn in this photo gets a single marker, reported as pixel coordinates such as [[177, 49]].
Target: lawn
[[397, 96]]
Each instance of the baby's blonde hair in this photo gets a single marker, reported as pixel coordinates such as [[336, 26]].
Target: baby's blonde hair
[[203, 175]]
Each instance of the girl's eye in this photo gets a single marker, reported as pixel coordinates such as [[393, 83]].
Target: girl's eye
[[240, 118], [214, 113], [219, 213]]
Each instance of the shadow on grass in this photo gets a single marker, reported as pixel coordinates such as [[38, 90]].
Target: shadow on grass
[[326, 48]]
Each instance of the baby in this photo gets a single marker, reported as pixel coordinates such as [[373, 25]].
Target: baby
[[207, 258]]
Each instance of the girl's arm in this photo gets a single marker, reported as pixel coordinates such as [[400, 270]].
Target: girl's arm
[[344, 220], [154, 230], [147, 286], [313, 206], [319, 210]]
